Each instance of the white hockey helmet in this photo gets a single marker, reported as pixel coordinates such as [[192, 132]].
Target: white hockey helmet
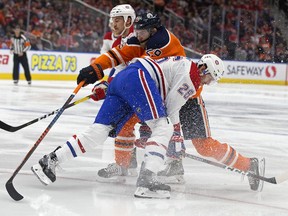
[[214, 64], [125, 10]]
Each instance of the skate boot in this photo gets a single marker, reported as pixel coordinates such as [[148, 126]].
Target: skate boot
[[173, 173], [112, 173], [149, 187], [258, 168], [132, 169], [45, 169]]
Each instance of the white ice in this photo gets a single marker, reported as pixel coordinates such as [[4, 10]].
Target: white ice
[[251, 118]]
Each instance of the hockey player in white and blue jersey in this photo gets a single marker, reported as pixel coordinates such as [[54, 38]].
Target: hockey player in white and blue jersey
[[152, 90]]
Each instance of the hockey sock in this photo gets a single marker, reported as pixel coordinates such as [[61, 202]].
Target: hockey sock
[[223, 153], [124, 142]]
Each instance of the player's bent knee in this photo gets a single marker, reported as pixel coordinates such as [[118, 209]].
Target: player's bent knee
[[162, 130], [95, 135]]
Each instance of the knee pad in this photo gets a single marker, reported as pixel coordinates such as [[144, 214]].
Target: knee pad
[[162, 130]]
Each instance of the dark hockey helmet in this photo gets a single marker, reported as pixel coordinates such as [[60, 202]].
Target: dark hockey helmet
[[147, 21]]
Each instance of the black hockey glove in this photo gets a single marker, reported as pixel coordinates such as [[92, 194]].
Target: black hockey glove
[[91, 74]]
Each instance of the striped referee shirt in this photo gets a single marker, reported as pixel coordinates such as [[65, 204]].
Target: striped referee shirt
[[20, 44]]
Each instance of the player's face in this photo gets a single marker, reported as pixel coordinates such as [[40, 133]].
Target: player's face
[[206, 78], [117, 25], [142, 34]]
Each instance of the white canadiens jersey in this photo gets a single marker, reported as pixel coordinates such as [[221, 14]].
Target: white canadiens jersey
[[111, 41], [108, 41], [172, 76]]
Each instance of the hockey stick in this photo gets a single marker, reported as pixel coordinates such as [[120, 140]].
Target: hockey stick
[[273, 180], [9, 184], [10, 128]]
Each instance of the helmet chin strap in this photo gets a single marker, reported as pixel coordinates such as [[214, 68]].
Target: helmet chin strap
[[125, 28]]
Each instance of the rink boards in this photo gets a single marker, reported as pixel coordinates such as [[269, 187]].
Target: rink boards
[[46, 65]]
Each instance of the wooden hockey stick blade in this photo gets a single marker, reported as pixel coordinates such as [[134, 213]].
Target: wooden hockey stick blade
[[10, 128], [12, 191], [272, 180]]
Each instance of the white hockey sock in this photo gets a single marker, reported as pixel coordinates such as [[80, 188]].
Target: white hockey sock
[[63, 154], [154, 157], [78, 144]]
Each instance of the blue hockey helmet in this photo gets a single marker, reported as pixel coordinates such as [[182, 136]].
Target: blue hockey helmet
[[147, 21]]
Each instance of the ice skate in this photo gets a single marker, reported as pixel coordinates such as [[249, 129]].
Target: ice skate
[[149, 187], [116, 173], [173, 173], [45, 169], [112, 173], [257, 168]]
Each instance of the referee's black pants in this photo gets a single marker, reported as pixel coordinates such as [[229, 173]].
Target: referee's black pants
[[24, 62]]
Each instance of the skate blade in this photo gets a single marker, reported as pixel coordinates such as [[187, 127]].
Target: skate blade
[[115, 179], [261, 173], [177, 179], [142, 192], [37, 170]]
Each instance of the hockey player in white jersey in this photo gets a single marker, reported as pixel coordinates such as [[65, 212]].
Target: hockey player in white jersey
[[121, 23], [153, 91]]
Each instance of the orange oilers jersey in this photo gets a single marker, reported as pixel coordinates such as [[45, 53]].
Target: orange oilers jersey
[[162, 44]]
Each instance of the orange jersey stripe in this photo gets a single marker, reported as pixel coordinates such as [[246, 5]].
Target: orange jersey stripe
[[198, 92]]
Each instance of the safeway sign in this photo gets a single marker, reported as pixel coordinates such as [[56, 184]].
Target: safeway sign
[[256, 71]]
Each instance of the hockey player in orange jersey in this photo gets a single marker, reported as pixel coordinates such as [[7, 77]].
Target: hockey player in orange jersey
[[154, 40]]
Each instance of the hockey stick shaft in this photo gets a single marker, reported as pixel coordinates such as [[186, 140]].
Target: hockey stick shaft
[[10, 128], [272, 180], [9, 184]]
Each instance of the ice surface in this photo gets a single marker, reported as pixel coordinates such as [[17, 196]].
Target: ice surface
[[251, 118]]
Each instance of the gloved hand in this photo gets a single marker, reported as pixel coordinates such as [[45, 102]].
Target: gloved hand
[[176, 148], [99, 91], [145, 134], [91, 74]]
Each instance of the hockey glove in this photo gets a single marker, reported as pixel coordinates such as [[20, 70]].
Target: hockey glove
[[176, 148], [99, 91], [91, 74], [145, 134]]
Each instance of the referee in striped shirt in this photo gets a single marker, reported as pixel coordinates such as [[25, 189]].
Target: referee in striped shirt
[[19, 46]]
